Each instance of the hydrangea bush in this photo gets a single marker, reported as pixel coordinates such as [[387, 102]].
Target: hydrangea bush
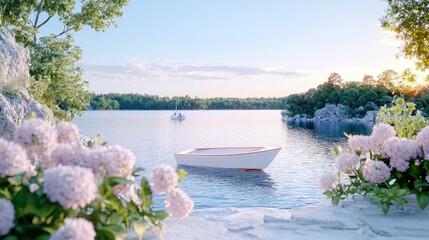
[[54, 187], [389, 165]]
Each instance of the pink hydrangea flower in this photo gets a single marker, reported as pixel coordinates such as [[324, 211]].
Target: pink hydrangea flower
[[13, 159], [37, 137], [71, 186], [422, 140], [7, 216], [74, 228], [113, 161], [164, 178], [375, 171], [400, 152], [67, 133], [360, 143], [178, 204], [66, 154], [380, 134], [346, 161], [328, 181]]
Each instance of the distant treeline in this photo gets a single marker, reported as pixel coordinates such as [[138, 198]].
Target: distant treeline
[[359, 97], [128, 101]]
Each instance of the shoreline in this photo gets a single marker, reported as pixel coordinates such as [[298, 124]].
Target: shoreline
[[351, 219]]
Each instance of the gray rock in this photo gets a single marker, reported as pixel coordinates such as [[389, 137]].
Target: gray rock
[[373, 106], [331, 113], [369, 116], [14, 63], [15, 102]]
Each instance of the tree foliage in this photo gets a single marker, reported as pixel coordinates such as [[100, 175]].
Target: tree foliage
[[360, 97], [410, 20], [56, 80], [113, 101]]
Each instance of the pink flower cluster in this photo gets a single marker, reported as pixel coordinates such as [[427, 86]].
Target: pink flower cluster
[[113, 161], [37, 137], [178, 204], [346, 161], [400, 151], [67, 133], [380, 134], [7, 216], [71, 186], [422, 140], [375, 171], [13, 159], [74, 228], [328, 181], [65, 154], [360, 143], [164, 178]]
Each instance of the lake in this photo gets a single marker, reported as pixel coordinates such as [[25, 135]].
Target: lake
[[290, 181]]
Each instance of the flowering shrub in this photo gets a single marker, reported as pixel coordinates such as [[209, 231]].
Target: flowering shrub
[[52, 186], [389, 165]]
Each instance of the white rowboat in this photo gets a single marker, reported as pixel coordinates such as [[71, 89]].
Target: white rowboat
[[232, 157]]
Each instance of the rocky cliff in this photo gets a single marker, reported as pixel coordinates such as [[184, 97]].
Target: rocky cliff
[[15, 102]]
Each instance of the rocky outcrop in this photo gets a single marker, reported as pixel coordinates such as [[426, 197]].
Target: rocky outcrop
[[15, 102], [14, 63], [333, 113]]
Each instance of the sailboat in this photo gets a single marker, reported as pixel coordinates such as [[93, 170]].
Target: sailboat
[[178, 116]]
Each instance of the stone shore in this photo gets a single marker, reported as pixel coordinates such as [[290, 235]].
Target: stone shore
[[351, 219]]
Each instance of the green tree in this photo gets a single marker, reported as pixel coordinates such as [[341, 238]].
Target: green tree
[[387, 78], [335, 80], [410, 20], [56, 80], [369, 80]]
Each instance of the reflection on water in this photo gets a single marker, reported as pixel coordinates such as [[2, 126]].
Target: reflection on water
[[335, 129], [290, 181], [233, 176]]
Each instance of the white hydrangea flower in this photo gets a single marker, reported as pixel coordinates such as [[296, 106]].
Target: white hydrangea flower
[[7, 216], [380, 134], [327, 181], [67, 133], [178, 204], [74, 229], [13, 159], [346, 161], [70, 186], [360, 143], [66, 154], [113, 161], [400, 152], [164, 178], [37, 137], [422, 140], [375, 171]]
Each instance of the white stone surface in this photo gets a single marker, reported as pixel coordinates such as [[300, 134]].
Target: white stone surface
[[358, 219]]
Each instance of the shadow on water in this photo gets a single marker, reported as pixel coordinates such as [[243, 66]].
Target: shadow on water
[[335, 129], [235, 177]]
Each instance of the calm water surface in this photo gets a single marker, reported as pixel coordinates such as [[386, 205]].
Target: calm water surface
[[290, 181]]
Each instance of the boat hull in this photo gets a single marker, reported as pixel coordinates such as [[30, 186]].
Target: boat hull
[[259, 159]]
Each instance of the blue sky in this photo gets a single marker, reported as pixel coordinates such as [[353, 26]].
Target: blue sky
[[232, 48]]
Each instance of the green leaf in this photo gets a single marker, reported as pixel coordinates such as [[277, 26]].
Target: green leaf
[[140, 228], [113, 181], [146, 194], [115, 231], [181, 173], [161, 215], [422, 200], [116, 218], [385, 207], [137, 171]]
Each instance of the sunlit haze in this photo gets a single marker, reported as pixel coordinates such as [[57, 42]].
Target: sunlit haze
[[231, 48]]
